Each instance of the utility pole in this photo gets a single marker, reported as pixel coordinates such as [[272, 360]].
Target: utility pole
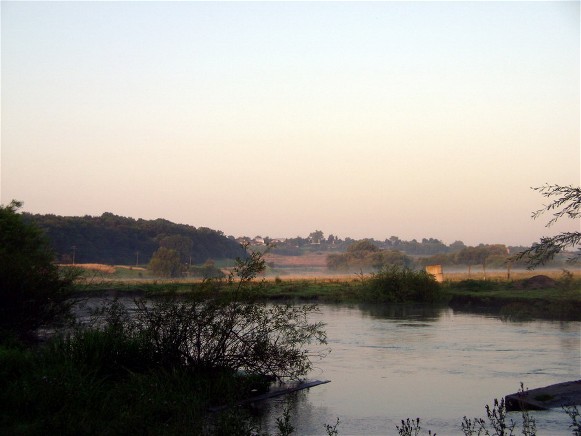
[[74, 247], [137, 260]]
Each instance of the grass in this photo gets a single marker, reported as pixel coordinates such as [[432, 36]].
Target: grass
[[110, 381], [47, 392], [461, 291]]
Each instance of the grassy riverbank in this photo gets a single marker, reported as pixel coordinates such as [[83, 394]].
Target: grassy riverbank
[[557, 296], [105, 383], [112, 381]]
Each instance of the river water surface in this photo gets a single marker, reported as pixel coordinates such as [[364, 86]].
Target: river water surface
[[389, 363]]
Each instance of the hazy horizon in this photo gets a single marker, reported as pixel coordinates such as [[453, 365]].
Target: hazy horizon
[[360, 119]]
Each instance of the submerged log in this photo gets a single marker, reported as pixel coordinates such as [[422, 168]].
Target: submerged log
[[275, 393], [549, 397]]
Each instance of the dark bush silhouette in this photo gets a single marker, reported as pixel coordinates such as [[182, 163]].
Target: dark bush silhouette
[[33, 291]]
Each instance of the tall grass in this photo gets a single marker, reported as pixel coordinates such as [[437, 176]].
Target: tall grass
[[101, 382]]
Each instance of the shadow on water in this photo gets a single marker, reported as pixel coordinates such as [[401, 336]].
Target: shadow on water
[[415, 312]]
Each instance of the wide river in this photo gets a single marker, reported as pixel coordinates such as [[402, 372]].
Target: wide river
[[389, 363]]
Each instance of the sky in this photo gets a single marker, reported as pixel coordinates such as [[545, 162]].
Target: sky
[[360, 119]]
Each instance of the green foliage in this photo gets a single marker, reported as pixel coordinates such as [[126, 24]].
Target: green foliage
[[180, 244], [117, 240], [366, 255], [401, 284], [566, 204], [224, 330], [165, 262], [567, 282], [248, 267], [482, 255], [203, 335], [74, 388], [207, 271], [362, 246], [158, 369], [33, 291], [472, 285]]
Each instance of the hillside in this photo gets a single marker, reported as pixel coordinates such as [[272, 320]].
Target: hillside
[[114, 240]]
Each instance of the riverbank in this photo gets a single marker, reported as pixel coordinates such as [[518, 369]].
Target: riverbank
[[532, 296]]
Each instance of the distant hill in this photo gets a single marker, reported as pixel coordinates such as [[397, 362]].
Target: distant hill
[[117, 240]]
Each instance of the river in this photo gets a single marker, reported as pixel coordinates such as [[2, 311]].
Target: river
[[388, 363]]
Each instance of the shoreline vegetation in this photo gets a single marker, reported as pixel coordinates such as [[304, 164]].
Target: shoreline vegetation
[[547, 294], [192, 344]]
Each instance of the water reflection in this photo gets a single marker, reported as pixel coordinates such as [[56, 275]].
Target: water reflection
[[419, 312], [392, 362]]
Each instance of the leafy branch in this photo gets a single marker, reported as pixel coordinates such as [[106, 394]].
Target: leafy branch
[[566, 204]]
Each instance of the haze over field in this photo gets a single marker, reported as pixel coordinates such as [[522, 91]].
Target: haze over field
[[415, 119]]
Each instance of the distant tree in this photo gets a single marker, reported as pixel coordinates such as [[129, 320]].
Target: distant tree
[[566, 203], [33, 291], [384, 258], [491, 252], [468, 256], [439, 259], [165, 262], [479, 255], [337, 261], [394, 240], [181, 244], [363, 245], [456, 246], [317, 237], [114, 239]]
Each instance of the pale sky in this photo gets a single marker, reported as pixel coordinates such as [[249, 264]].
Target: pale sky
[[413, 119]]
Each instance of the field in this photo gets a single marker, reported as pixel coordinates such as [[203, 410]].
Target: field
[[313, 266]]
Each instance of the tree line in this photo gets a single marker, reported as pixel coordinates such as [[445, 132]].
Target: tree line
[[365, 254], [117, 240], [318, 241]]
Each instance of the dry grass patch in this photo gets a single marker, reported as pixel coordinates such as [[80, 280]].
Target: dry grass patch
[[106, 269]]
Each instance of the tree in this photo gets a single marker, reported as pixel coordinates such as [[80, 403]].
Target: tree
[[468, 256], [456, 246], [33, 291], [361, 246], [316, 237], [182, 244], [166, 262], [566, 203], [479, 255]]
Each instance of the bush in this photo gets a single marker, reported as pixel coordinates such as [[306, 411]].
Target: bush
[[400, 284], [165, 262], [237, 336], [33, 290], [221, 328]]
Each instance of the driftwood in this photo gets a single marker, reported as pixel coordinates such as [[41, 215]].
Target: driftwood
[[549, 397], [275, 393]]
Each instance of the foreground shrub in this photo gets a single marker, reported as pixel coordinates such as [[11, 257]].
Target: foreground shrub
[[399, 284], [158, 367], [206, 335], [221, 328], [33, 291]]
